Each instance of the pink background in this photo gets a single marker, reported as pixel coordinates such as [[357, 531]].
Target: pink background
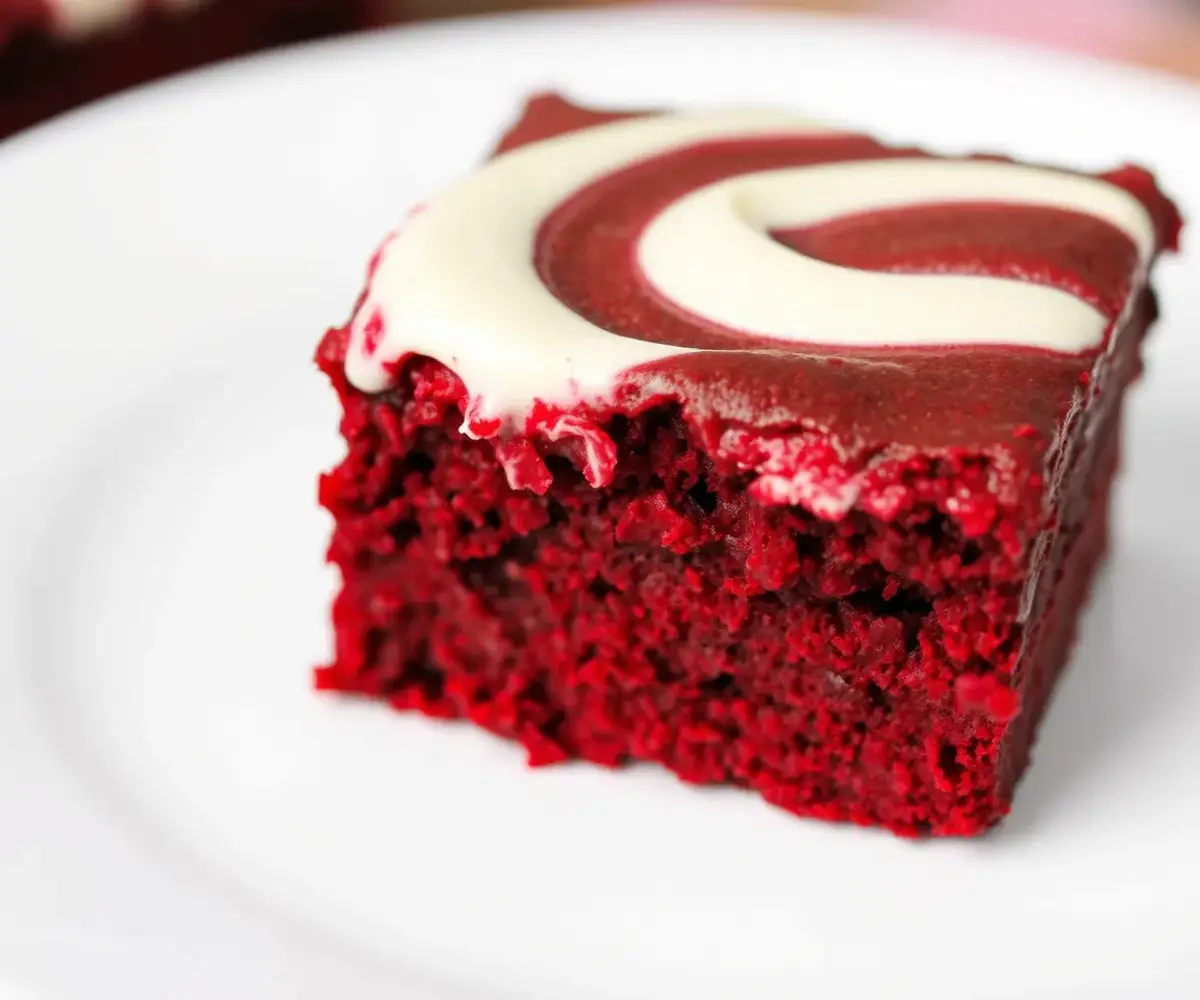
[[1160, 33]]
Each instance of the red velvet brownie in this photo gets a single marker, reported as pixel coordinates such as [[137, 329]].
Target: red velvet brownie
[[57, 54], [743, 445]]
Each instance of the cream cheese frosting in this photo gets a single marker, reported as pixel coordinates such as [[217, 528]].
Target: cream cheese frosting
[[458, 281]]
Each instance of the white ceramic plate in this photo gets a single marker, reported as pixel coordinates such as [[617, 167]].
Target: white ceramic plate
[[180, 817]]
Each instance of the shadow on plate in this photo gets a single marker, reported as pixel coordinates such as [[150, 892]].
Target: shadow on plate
[[1137, 660]]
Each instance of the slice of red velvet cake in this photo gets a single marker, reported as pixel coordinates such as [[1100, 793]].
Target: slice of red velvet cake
[[743, 445], [57, 54]]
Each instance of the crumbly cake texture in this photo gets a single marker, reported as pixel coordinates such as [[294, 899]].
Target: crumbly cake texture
[[58, 54], [845, 576]]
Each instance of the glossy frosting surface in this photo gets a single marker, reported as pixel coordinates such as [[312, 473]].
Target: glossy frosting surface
[[763, 269]]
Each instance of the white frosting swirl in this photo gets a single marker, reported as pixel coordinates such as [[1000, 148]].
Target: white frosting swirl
[[711, 254], [458, 282]]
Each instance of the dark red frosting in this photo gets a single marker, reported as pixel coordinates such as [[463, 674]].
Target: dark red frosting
[[864, 399]]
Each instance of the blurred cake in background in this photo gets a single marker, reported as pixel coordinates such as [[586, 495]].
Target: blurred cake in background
[[57, 54]]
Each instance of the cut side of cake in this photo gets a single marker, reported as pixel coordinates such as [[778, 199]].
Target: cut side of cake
[[741, 444]]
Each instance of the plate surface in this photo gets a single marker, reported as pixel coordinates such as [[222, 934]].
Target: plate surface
[[181, 817]]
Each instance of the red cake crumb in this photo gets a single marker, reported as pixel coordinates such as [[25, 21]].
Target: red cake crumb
[[665, 578]]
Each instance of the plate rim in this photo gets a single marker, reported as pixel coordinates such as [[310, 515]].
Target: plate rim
[[40, 140]]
